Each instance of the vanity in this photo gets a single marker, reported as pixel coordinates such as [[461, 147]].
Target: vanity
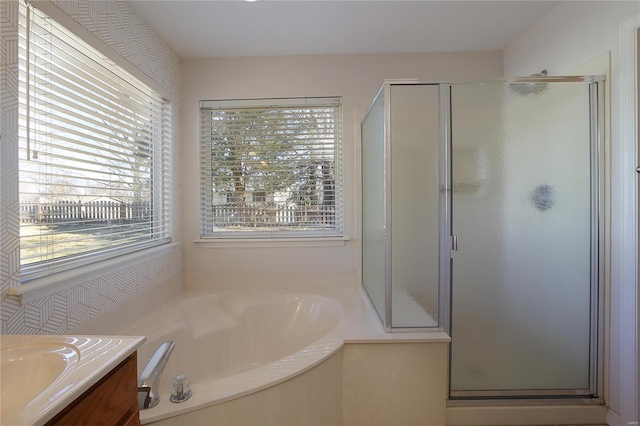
[[68, 380]]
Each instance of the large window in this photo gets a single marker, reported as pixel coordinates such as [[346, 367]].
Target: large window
[[271, 168], [94, 153]]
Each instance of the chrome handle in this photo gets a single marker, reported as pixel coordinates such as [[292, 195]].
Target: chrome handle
[[638, 169], [454, 243]]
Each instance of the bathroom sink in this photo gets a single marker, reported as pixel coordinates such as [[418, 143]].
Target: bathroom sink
[[26, 370], [41, 375]]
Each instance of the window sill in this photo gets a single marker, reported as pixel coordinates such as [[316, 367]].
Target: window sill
[[54, 283], [271, 242]]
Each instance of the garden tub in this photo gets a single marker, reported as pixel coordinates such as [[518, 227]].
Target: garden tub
[[232, 344]]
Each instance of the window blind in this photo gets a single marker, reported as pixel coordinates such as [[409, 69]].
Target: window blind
[[94, 153], [271, 168]]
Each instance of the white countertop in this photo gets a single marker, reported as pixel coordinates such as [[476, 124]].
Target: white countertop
[[90, 359]]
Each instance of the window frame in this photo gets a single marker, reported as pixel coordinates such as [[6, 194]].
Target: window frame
[[86, 263], [277, 237]]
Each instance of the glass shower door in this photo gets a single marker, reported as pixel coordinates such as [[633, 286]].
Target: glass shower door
[[522, 209]]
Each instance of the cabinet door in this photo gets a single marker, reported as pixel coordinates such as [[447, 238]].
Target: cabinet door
[[111, 401]]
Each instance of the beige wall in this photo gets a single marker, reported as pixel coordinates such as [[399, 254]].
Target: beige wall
[[354, 77], [570, 35], [394, 384]]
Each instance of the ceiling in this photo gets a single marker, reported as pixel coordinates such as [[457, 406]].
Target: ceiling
[[213, 28]]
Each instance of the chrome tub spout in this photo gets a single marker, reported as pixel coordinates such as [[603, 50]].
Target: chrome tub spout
[[150, 378]]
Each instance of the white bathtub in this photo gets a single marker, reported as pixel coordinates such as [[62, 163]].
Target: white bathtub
[[232, 344]]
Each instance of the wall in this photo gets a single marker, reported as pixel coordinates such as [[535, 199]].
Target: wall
[[354, 77], [394, 384], [570, 35], [115, 23]]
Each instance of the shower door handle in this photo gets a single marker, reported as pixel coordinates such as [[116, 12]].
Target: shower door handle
[[454, 243]]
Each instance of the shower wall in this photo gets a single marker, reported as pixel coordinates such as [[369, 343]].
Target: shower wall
[[374, 273], [400, 208], [414, 205]]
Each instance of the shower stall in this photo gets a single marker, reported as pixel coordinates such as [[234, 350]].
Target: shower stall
[[483, 216]]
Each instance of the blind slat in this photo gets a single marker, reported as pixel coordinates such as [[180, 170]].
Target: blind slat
[[64, 50], [95, 153], [271, 171]]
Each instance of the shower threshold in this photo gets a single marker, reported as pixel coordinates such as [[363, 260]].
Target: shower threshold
[[529, 399]]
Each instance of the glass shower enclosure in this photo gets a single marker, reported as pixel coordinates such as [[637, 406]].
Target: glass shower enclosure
[[483, 216]]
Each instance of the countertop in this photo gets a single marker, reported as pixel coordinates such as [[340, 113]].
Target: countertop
[[90, 359]]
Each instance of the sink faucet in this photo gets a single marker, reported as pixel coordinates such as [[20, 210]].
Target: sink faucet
[[150, 378]]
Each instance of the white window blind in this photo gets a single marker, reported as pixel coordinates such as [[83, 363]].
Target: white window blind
[[271, 168], [94, 154]]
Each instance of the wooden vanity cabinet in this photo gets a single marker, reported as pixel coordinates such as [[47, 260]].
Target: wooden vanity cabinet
[[111, 401]]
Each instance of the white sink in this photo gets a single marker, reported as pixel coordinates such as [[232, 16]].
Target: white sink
[[41, 375], [28, 369]]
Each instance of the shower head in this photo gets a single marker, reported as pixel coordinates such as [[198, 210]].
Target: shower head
[[525, 89]]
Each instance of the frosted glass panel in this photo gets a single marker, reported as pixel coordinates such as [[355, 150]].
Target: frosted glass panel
[[414, 205], [373, 206], [521, 211]]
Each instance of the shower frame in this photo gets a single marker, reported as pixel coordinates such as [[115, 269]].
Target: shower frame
[[448, 241]]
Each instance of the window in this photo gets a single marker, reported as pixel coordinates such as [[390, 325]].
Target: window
[[271, 168], [94, 153], [260, 196]]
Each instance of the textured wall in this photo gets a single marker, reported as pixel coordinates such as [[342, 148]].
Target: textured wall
[[117, 25]]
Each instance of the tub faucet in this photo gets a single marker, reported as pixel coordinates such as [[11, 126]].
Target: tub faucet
[[150, 378]]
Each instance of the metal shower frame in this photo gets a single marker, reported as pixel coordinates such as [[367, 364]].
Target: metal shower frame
[[448, 242]]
